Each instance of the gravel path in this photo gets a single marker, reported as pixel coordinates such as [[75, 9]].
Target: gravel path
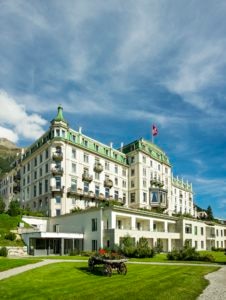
[[216, 290]]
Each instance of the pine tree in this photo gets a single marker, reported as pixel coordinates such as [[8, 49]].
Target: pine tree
[[209, 213]]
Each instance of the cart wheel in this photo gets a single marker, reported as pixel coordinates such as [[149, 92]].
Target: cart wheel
[[91, 264], [122, 269], [107, 270]]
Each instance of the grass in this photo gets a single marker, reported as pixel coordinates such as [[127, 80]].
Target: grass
[[73, 281], [8, 223], [219, 256], [6, 263]]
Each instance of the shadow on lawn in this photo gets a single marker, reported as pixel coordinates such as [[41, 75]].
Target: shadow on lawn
[[97, 271]]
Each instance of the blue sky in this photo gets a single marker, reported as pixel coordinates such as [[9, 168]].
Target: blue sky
[[117, 67]]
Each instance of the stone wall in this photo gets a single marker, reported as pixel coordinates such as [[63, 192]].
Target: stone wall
[[17, 251]]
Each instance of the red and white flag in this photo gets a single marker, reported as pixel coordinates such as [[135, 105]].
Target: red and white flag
[[154, 130]]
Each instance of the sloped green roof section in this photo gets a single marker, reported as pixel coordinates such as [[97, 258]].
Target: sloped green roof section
[[149, 148]]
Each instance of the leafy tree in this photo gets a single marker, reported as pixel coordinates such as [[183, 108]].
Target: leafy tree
[[2, 205], [14, 208], [209, 213], [127, 246]]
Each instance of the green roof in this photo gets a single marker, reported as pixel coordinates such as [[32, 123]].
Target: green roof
[[59, 117]]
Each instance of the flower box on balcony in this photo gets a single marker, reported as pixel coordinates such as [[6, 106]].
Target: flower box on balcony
[[98, 168], [87, 177], [108, 183]]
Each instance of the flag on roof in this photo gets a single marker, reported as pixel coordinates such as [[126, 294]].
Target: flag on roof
[[154, 130]]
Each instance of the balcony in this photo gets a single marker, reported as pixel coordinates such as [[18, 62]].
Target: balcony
[[57, 171], [98, 168], [156, 183], [16, 189], [87, 177], [16, 177], [57, 189], [108, 183], [58, 156], [72, 191]]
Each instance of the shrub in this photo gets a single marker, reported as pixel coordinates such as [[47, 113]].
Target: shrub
[[3, 251], [189, 254], [143, 249], [11, 236], [74, 252]]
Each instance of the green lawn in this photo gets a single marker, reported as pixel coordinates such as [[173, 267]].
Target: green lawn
[[68, 280], [7, 263]]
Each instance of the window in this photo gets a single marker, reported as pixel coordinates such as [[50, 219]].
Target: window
[[196, 230], [47, 153], [132, 159], [94, 224], [46, 185], [96, 147], [57, 132], [116, 169], [85, 142], [202, 230], [124, 198], [40, 158], [58, 182], [119, 224], [86, 187], [144, 159], [124, 172], [58, 212], [58, 199], [73, 153], [97, 176], [144, 197], [35, 162], [97, 190], [86, 158], [144, 172], [107, 165], [116, 195], [28, 167], [132, 172], [188, 228], [34, 191], [202, 244], [159, 167], [28, 179], [40, 172], [40, 188], [94, 245], [132, 197], [73, 168], [116, 181], [124, 184], [151, 163], [132, 184], [35, 174], [46, 168], [63, 133], [107, 192], [144, 183], [196, 244], [73, 184]]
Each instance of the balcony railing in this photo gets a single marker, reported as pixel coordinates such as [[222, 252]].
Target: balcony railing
[[57, 189], [98, 168], [16, 189], [57, 171], [57, 156], [87, 177], [157, 183], [108, 183]]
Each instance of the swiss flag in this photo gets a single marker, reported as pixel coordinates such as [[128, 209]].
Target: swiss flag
[[154, 130]]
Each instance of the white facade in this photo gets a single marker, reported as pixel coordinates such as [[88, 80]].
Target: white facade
[[65, 170], [96, 228]]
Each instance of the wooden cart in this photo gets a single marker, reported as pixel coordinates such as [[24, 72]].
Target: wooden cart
[[108, 265]]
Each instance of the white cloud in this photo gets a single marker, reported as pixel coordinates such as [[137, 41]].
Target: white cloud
[[9, 134], [15, 117]]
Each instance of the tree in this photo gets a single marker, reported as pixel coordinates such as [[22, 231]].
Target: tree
[[209, 213], [14, 208], [143, 249], [2, 205]]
